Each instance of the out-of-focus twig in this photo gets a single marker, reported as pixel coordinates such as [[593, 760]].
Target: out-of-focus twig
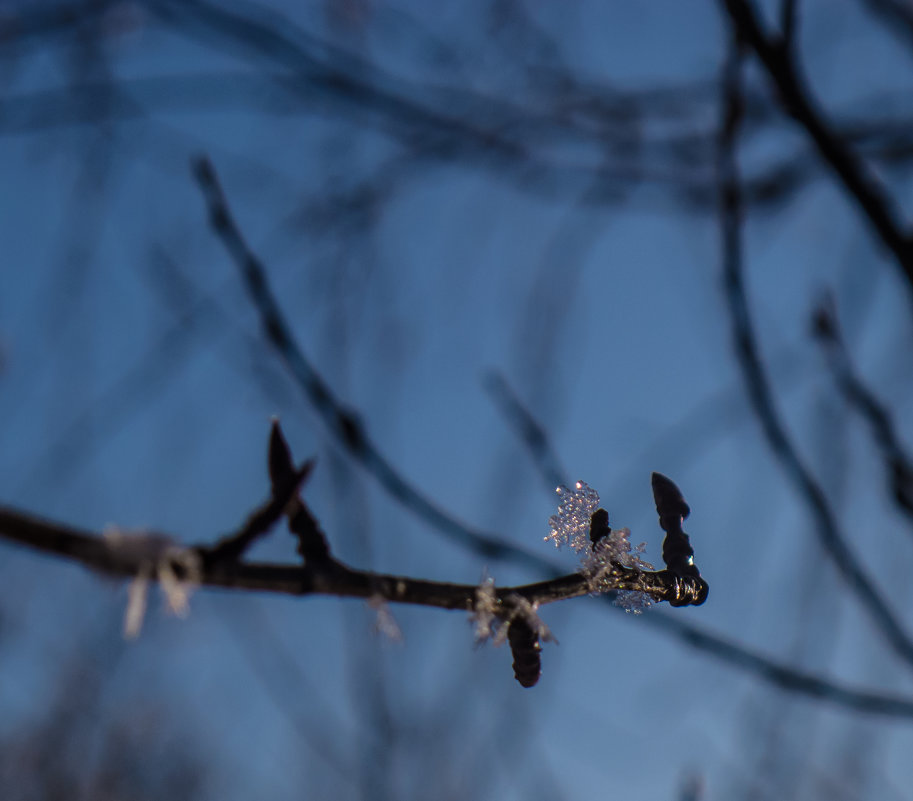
[[785, 677], [528, 429], [341, 422], [827, 527], [897, 16], [898, 463], [860, 183]]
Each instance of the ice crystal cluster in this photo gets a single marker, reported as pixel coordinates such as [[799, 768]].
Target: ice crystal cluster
[[491, 618], [158, 558], [384, 623], [571, 526]]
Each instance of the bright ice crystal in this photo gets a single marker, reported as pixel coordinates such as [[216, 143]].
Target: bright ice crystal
[[601, 563], [571, 526]]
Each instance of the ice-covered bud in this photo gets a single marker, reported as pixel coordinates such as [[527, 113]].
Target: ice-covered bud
[[491, 618], [571, 526], [528, 613], [632, 601]]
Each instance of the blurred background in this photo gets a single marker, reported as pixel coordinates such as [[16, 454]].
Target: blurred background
[[495, 229]]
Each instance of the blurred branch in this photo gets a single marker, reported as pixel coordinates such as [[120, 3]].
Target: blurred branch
[[897, 16], [342, 423], [157, 556], [898, 463], [528, 429], [785, 677], [760, 394], [858, 180]]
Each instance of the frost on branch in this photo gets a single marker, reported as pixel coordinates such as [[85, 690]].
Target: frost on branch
[[384, 622], [571, 525], [515, 620], [580, 524], [484, 615], [600, 566], [491, 617], [177, 569]]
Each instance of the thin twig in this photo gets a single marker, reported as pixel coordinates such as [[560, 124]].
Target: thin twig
[[233, 546], [896, 15], [827, 526], [785, 677]]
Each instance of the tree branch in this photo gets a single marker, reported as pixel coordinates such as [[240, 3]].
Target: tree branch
[[342, 423], [898, 463], [760, 394], [798, 102]]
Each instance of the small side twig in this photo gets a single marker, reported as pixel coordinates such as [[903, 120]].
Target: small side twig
[[233, 546], [312, 542]]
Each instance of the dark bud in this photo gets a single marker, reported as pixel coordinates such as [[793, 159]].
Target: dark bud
[[525, 647], [668, 497], [677, 551], [312, 543], [599, 526], [281, 469]]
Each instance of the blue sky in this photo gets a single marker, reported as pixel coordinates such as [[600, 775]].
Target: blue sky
[[137, 390]]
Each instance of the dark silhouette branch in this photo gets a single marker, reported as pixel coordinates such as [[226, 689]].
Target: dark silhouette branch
[[760, 395], [898, 463], [342, 423], [896, 16], [528, 429], [784, 677], [799, 103]]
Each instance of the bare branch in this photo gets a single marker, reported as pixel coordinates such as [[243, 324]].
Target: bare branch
[[528, 429], [898, 462], [342, 423]]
